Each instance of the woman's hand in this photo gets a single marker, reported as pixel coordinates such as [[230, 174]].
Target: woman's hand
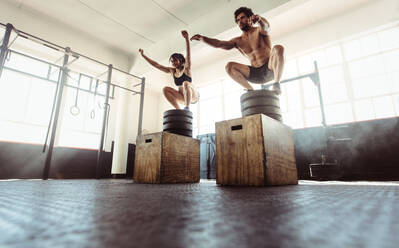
[[185, 34]]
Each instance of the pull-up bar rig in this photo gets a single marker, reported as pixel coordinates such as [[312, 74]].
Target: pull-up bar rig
[[315, 77], [61, 83]]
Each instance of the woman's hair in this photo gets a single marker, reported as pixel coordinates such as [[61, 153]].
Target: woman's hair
[[179, 57], [247, 11]]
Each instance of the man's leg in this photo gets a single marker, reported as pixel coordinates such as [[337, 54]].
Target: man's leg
[[276, 64], [173, 96], [239, 73]]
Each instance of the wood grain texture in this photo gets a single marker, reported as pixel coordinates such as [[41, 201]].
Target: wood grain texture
[[280, 153], [239, 153], [148, 158], [180, 159], [168, 158], [254, 151]]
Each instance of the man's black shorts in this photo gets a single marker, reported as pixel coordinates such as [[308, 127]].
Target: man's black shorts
[[260, 75]]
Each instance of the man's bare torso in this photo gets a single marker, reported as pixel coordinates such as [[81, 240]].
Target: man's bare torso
[[255, 46]]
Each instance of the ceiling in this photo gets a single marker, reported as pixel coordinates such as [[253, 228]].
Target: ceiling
[[155, 25]]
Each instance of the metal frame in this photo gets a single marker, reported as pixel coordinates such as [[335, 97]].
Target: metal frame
[[54, 119], [315, 77], [61, 83], [103, 129], [4, 46]]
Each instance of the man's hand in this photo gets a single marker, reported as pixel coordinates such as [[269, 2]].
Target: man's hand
[[254, 19], [185, 34], [141, 52], [197, 37]]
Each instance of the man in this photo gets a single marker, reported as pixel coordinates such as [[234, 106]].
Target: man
[[266, 62]]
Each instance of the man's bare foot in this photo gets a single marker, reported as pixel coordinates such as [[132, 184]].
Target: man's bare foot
[[276, 88]]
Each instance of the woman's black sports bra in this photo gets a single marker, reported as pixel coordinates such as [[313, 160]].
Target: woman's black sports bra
[[179, 81]]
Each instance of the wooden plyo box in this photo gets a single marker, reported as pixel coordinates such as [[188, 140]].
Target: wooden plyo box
[[167, 158], [255, 151]]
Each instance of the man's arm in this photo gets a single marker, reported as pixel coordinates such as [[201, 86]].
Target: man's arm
[[263, 23], [188, 55], [227, 45], [155, 64]]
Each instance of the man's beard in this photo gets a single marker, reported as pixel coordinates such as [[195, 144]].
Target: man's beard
[[245, 28]]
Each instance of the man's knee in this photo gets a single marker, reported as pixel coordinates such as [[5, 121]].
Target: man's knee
[[229, 67], [279, 50]]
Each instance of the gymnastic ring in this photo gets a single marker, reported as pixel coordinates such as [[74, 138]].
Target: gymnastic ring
[[74, 110], [92, 114]]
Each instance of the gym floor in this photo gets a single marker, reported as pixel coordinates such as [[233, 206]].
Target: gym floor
[[119, 213]]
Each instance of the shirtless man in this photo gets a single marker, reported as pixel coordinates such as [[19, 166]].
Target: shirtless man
[[266, 62]]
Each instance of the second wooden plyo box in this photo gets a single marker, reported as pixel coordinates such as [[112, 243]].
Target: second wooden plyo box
[[255, 151]]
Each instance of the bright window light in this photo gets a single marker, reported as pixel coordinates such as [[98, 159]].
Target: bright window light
[[333, 55], [293, 119], [389, 39], [383, 107], [293, 96], [313, 117], [310, 92], [232, 105], [364, 110], [339, 113], [210, 111], [25, 104], [25, 64], [370, 44]]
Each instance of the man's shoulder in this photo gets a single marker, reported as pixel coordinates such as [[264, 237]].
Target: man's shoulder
[[236, 39]]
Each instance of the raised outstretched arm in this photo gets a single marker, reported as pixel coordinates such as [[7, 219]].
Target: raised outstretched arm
[[263, 23], [188, 53], [227, 45], [155, 64]]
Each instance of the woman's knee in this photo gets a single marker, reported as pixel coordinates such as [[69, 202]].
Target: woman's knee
[[166, 91], [186, 84]]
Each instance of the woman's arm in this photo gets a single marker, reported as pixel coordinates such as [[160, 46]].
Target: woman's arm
[[188, 55], [155, 64]]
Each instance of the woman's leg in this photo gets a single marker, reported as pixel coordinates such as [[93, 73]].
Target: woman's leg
[[173, 96]]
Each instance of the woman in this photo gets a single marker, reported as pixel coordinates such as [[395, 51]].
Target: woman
[[181, 72]]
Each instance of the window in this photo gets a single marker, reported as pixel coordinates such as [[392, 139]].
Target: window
[[27, 91], [82, 115], [25, 104]]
